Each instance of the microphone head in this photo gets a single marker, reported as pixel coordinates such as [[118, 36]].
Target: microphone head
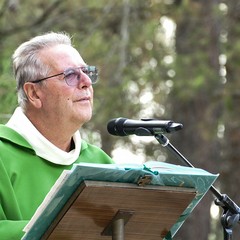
[[115, 126], [144, 127]]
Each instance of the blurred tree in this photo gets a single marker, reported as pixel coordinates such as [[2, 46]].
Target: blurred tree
[[195, 97], [229, 174]]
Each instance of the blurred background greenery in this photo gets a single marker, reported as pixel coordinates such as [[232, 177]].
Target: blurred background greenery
[[165, 59]]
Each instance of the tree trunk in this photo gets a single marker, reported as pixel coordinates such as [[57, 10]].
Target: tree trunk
[[195, 102]]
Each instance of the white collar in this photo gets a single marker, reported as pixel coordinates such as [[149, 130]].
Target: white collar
[[43, 148]]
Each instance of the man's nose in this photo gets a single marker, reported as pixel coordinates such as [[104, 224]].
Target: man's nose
[[85, 80]]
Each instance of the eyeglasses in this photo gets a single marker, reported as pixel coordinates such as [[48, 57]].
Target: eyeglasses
[[72, 76]]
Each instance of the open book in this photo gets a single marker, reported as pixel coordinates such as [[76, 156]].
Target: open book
[[162, 174]]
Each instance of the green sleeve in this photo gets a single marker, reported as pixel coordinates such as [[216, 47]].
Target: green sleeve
[[9, 229], [12, 229]]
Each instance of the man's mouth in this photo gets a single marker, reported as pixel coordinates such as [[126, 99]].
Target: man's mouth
[[82, 99]]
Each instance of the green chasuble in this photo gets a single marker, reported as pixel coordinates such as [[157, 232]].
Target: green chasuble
[[26, 178]]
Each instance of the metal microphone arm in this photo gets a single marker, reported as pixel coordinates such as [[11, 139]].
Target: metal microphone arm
[[231, 212]]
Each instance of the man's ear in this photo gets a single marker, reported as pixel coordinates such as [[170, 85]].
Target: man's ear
[[32, 91]]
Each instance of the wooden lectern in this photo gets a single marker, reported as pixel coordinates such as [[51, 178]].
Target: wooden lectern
[[111, 210]]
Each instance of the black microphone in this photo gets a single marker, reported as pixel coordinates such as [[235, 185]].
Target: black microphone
[[144, 127]]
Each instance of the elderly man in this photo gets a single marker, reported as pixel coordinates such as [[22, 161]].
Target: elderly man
[[42, 138]]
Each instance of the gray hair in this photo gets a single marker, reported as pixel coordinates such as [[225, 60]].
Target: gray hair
[[27, 66]]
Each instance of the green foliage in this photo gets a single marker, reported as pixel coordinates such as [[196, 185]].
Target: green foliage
[[8, 97]]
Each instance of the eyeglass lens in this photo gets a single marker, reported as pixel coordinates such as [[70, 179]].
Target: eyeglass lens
[[73, 75]]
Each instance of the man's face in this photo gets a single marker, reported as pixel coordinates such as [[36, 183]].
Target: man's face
[[62, 103]]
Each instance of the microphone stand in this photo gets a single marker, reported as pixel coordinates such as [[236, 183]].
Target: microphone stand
[[231, 212]]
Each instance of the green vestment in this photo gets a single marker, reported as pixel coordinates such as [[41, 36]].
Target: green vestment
[[26, 178]]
